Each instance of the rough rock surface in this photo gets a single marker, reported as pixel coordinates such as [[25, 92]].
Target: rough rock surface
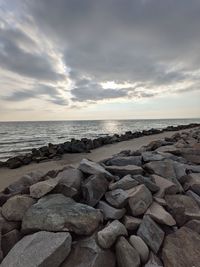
[[131, 223], [165, 186], [58, 213], [40, 189], [109, 212], [9, 240], [39, 250], [124, 161], [117, 198], [181, 249], [140, 246], [140, 198], [107, 236], [194, 225], [124, 170], [127, 255], [124, 183], [151, 233], [15, 207]]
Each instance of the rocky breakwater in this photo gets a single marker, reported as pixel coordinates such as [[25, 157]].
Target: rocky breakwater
[[55, 151], [138, 208]]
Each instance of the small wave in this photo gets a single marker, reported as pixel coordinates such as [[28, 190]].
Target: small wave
[[20, 141]]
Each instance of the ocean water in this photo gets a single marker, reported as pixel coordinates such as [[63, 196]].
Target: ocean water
[[20, 137]]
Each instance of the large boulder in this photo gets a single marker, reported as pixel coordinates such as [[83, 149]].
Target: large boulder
[[140, 198], [110, 212], [93, 188], [165, 186], [40, 189], [117, 198], [91, 167], [140, 246], [151, 233], [124, 170], [87, 253], [160, 215], [16, 206], [124, 183], [127, 255], [58, 213], [42, 249], [181, 249], [107, 236], [182, 208], [147, 181], [123, 161]]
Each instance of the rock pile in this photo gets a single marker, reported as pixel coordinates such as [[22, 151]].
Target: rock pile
[[138, 208], [53, 151]]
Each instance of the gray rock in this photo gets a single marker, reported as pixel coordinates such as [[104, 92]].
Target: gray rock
[[109, 212], [160, 215], [165, 185], [151, 156], [181, 249], [124, 170], [9, 240], [192, 181], [194, 196], [16, 206], [7, 226], [40, 189], [94, 188], [58, 213], [140, 246], [67, 191], [107, 236], [90, 167], [153, 261], [87, 253], [151, 233], [117, 198], [124, 183], [182, 208], [124, 161], [131, 223], [194, 225], [42, 249], [140, 198], [147, 181], [127, 255]]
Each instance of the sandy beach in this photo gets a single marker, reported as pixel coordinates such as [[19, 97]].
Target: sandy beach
[[8, 176]]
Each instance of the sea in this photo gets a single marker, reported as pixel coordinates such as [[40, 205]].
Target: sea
[[20, 137]]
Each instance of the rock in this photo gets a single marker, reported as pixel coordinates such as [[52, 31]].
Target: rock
[[153, 261], [160, 215], [39, 249], [131, 223], [14, 163], [166, 186], [9, 240], [182, 208], [107, 236], [193, 196], [87, 253], [192, 181], [109, 212], [127, 255], [94, 188], [147, 181], [140, 246], [169, 149], [67, 191], [140, 198], [151, 233], [7, 226], [160, 201], [152, 156], [124, 183], [194, 225], [181, 249], [124, 170], [124, 161], [40, 189], [71, 177], [90, 167], [117, 198], [166, 169], [15, 207], [58, 213]]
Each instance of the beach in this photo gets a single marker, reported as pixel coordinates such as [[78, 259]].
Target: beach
[[8, 176]]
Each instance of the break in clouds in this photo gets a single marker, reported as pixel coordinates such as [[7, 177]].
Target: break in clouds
[[73, 52]]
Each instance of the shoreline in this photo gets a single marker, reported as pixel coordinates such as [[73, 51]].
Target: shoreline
[[85, 145], [7, 176]]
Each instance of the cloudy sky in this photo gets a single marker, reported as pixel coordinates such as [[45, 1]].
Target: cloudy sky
[[92, 59]]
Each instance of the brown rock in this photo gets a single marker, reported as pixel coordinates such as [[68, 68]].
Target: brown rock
[[124, 170], [131, 223]]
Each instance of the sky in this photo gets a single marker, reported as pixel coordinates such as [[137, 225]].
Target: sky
[[92, 59]]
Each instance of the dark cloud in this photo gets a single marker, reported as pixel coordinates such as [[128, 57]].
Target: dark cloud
[[51, 93]]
